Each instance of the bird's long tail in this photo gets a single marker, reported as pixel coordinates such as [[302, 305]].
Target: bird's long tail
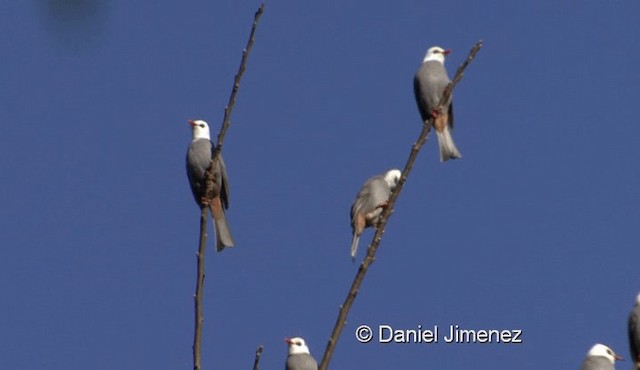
[[223, 234], [447, 147], [354, 245]]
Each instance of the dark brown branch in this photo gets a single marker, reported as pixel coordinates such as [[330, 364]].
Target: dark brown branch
[[210, 180], [460, 71], [257, 360], [226, 121], [384, 217], [197, 336]]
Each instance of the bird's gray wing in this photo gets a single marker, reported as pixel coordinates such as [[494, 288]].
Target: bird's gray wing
[[596, 363], [428, 85], [197, 162], [374, 192], [418, 92], [379, 192], [634, 333], [301, 361], [224, 188], [436, 79]]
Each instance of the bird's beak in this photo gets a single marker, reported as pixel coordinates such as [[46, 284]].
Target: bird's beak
[[288, 341], [446, 52], [619, 358], [191, 122]]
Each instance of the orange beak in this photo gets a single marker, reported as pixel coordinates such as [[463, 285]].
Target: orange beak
[[191, 122], [288, 341], [446, 52]]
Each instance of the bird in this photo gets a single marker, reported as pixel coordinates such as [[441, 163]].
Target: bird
[[600, 357], [634, 334], [368, 205], [299, 357], [199, 155], [429, 83]]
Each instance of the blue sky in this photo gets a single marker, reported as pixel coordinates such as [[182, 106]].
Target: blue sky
[[536, 228]]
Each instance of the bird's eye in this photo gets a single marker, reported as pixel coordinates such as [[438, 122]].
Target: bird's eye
[[201, 125], [609, 352]]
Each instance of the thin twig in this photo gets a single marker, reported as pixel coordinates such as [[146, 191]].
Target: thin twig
[[258, 354], [460, 71], [197, 336], [226, 121], [384, 217], [210, 179]]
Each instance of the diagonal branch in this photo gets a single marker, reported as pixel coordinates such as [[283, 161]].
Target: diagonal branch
[[257, 359], [226, 121], [384, 217], [460, 71], [210, 180]]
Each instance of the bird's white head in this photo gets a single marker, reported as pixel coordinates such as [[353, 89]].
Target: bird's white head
[[297, 346], [604, 351], [638, 299], [436, 53], [392, 177], [200, 129]]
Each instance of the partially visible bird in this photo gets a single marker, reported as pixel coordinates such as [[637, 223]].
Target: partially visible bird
[[428, 85], [299, 356], [634, 334], [199, 157], [368, 205], [600, 357]]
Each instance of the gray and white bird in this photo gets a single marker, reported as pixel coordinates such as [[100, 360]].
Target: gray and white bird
[[634, 334], [600, 357], [299, 356], [428, 85], [199, 157], [368, 205]]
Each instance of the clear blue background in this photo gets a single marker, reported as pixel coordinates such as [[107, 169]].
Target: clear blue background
[[536, 228]]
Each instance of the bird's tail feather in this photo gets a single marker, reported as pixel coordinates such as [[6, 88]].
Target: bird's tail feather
[[447, 147], [354, 245], [223, 234]]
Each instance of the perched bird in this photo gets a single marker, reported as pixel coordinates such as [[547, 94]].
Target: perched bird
[[299, 356], [199, 157], [371, 199], [428, 86], [634, 334], [600, 357]]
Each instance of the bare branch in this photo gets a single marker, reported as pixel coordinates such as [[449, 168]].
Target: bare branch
[[258, 354], [384, 217], [460, 71], [197, 336], [210, 180], [226, 121]]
